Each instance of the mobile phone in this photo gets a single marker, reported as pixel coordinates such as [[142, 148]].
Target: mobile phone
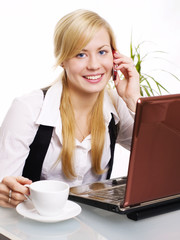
[[114, 71], [114, 74]]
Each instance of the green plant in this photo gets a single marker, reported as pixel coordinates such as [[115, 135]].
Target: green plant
[[149, 86]]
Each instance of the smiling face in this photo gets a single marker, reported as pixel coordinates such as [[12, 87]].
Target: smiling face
[[90, 70]]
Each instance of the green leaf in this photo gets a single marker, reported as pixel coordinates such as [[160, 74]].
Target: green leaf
[[146, 80], [145, 88], [141, 91], [173, 75], [157, 84], [152, 52], [131, 49], [150, 88]]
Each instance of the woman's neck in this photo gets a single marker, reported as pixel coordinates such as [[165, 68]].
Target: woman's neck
[[83, 103]]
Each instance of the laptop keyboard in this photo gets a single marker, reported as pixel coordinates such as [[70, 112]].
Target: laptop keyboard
[[114, 193]]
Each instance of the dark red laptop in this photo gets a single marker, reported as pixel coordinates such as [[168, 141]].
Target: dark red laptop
[[153, 182]]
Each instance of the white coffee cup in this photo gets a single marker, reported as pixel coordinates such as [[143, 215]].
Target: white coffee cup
[[48, 196]]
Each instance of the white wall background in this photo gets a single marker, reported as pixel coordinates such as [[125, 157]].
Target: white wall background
[[26, 39]]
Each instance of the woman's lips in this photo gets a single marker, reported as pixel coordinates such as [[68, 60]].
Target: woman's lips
[[94, 78]]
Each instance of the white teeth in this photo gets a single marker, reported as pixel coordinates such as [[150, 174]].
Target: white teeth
[[93, 77]]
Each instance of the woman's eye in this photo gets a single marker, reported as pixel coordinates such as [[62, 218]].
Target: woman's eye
[[102, 52], [81, 55]]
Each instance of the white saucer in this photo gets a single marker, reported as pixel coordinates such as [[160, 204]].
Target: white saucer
[[27, 209]]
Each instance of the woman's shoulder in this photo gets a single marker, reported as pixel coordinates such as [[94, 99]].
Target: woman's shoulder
[[32, 97], [32, 100], [25, 108]]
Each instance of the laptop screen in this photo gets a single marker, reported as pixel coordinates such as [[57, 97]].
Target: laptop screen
[[154, 168]]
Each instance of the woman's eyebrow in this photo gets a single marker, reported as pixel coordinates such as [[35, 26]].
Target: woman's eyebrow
[[86, 50], [104, 46]]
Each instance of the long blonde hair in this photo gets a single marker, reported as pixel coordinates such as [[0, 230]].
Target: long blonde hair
[[72, 33]]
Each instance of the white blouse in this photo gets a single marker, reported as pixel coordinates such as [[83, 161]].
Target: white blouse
[[28, 112]]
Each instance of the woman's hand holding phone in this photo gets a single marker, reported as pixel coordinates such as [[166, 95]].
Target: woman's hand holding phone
[[128, 88]]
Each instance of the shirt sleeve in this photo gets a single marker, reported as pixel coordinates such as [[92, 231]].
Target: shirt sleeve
[[16, 134], [126, 124]]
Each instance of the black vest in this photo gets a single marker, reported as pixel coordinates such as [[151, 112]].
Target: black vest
[[38, 149]]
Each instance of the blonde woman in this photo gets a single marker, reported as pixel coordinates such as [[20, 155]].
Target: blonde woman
[[66, 131]]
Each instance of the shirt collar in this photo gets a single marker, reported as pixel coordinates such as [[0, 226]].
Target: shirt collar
[[50, 114]]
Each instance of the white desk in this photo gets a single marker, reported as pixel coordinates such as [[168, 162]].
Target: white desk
[[92, 224]]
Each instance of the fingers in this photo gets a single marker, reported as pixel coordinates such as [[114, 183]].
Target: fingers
[[123, 60], [128, 88], [12, 191], [17, 184], [6, 201], [128, 69], [120, 59], [125, 65], [4, 196]]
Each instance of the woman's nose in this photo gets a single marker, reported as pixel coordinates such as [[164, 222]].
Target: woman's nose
[[93, 63]]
